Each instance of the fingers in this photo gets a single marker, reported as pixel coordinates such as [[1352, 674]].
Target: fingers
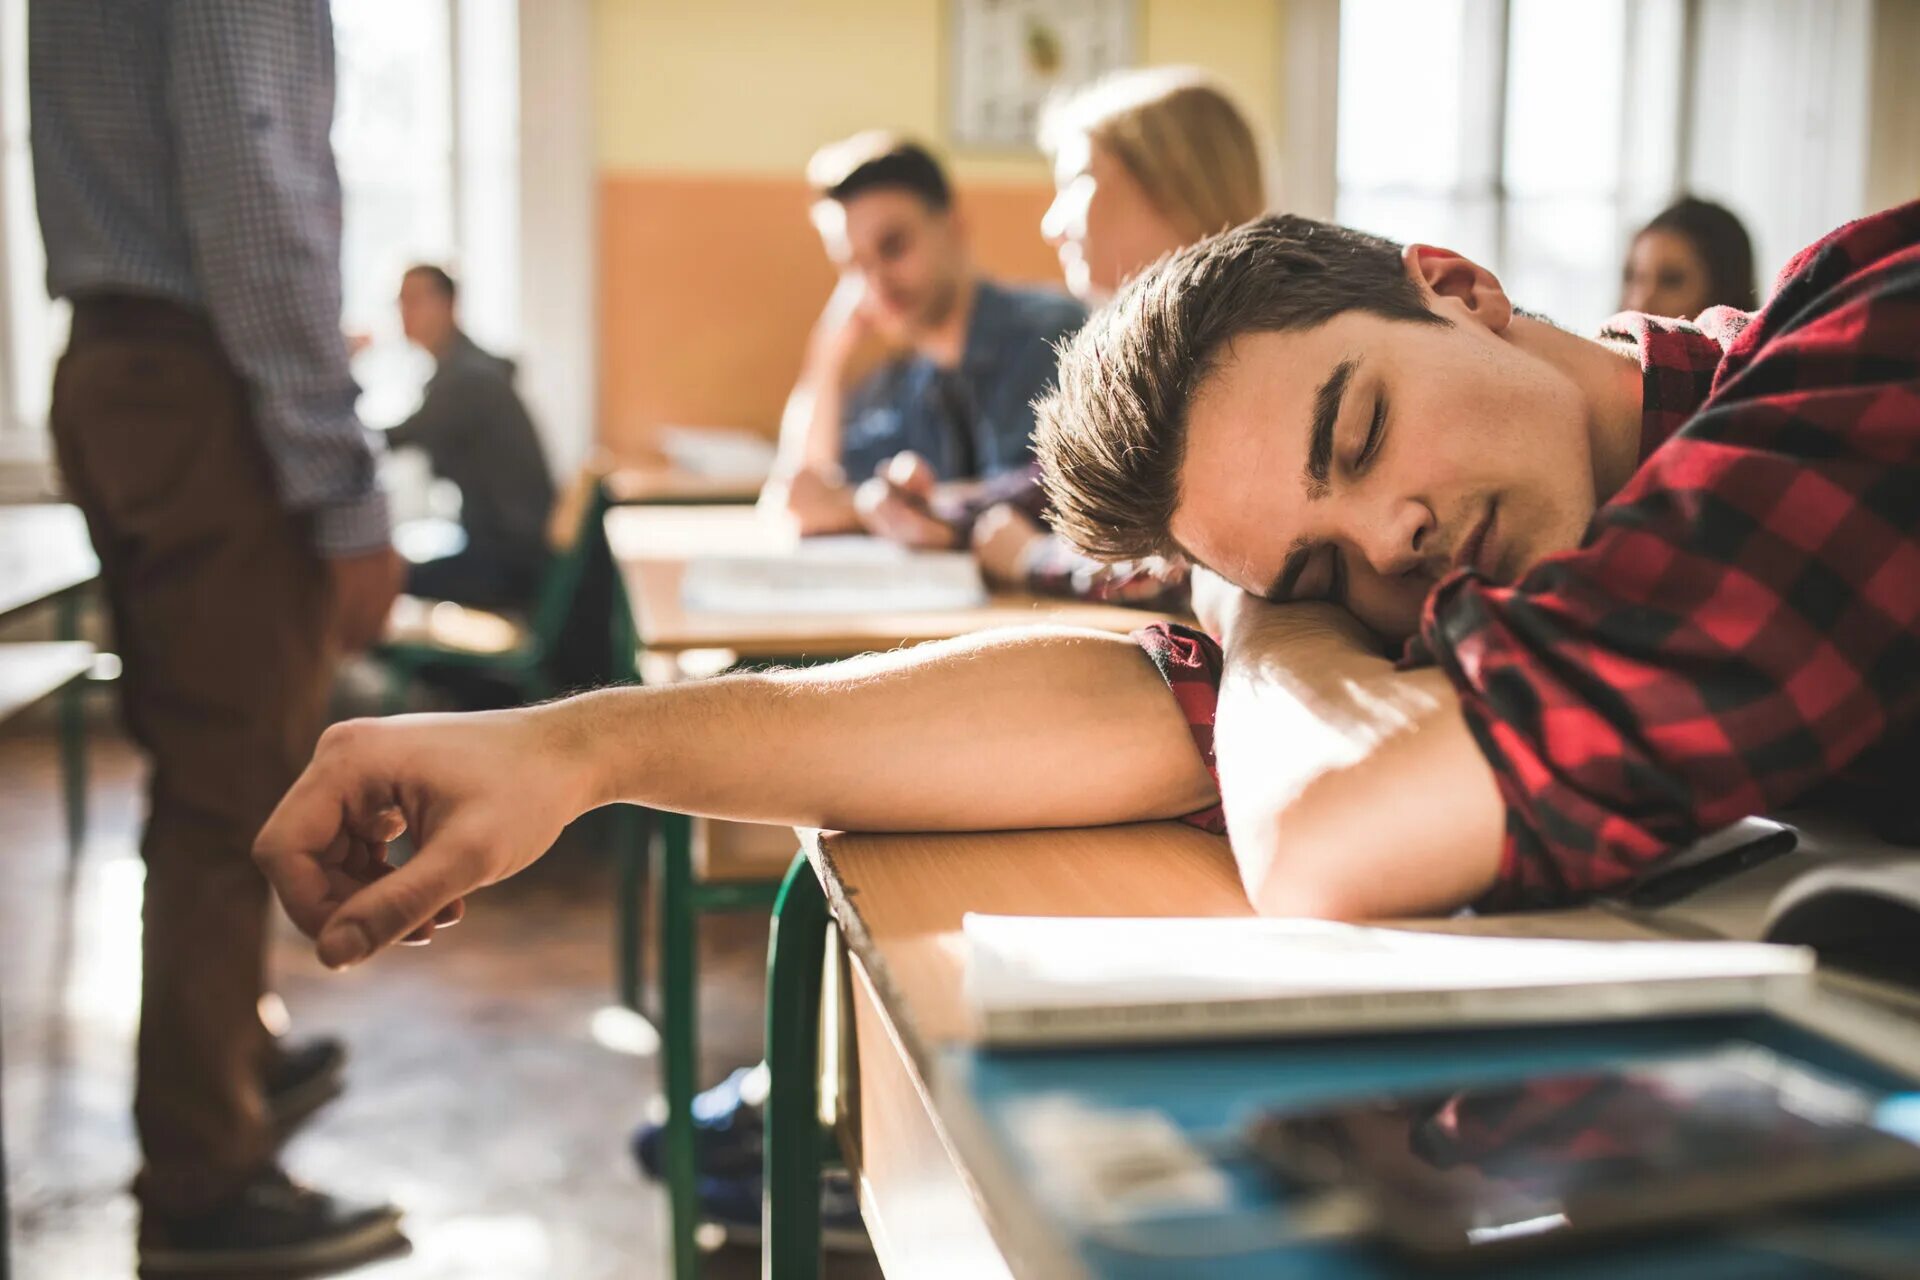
[[397, 905], [302, 837], [331, 820], [911, 472], [891, 512]]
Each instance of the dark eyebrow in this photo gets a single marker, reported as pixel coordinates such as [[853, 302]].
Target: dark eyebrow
[[1297, 556], [1326, 411]]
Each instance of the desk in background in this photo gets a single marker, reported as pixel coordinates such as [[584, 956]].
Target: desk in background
[[651, 547], [46, 558], [938, 1130]]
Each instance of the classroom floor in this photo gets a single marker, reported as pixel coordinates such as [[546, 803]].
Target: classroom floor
[[479, 1099]]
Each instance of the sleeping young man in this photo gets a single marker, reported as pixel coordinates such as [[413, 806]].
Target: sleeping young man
[[1520, 611]]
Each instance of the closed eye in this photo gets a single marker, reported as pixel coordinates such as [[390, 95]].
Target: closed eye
[[1375, 429]]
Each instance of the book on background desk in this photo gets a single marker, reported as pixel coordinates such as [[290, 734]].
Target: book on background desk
[[1041, 980], [835, 575], [717, 453]]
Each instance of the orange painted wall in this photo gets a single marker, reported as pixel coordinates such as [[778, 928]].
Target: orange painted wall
[[710, 282]]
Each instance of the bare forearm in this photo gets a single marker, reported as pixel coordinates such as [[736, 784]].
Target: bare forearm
[[808, 486], [1004, 730], [810, 424], [1351, 789], [1019, 729]]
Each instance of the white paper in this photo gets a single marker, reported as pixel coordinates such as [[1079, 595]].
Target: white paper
[[1025, 962], [833, 576]]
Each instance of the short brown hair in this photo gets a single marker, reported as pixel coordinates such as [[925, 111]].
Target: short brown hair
[[1112, 434], [877, 159]]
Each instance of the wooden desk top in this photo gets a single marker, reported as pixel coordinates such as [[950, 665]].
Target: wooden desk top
[[30, 671], [44, 551], [899, 900], [651, 546]]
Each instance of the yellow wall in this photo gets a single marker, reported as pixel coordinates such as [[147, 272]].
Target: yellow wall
[[706, 112]]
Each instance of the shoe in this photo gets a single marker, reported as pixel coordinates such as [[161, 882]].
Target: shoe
[[733, 1204], [272, 1227], [727, 1130], [299, 1080]]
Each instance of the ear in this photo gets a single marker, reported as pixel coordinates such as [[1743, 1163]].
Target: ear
[[1454, 283]]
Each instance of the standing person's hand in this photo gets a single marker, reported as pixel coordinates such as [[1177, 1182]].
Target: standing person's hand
[[364, 587]]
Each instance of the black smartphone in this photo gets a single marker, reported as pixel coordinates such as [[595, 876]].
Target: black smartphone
[[1533, 1164]]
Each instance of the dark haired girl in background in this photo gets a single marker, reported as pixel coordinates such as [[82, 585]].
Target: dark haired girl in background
[[1695, 254]]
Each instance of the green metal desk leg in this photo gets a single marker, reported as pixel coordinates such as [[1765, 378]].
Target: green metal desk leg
[[790, 1216], [680, 1047], [632, 828], [73, 735]]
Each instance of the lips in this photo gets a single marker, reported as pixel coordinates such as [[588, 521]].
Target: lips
[[1472, 553]]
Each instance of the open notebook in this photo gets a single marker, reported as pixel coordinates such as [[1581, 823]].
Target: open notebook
[[1033, 981], [835, 575]]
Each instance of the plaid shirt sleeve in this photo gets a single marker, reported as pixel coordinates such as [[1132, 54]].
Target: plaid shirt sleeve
[[1742, 621], [1190, 662], [250, 90]]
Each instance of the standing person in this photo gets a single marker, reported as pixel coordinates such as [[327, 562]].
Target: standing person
[[1695, 254], [1144, 162], [955, 403], [476, 433], [203, 417]]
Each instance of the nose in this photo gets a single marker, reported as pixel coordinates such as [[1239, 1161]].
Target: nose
[[1398, 538], [1053, 223], [1066, 218]]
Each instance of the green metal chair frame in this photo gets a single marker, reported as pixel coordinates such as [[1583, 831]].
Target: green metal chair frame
[[73, 735], [794, 1147], [680, 900], [527, 667]]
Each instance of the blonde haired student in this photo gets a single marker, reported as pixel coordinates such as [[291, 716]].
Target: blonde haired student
[[1145, 162]]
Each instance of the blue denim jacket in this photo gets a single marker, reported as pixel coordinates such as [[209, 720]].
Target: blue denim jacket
[[1009, 363]]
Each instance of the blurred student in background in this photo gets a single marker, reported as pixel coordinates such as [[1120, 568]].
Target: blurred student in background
[[475, 432], [1692, 256], [1145, 162], [953, 402]]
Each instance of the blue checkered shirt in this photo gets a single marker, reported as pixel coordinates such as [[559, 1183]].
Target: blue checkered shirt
[[180, 150]]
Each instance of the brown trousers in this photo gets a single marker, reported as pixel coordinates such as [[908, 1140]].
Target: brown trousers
[[220, 615]]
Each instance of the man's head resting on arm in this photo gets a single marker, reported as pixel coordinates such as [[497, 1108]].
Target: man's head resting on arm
[[1318, 413]]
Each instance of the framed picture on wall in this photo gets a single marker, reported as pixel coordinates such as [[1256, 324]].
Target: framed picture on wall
[[1010, 56]]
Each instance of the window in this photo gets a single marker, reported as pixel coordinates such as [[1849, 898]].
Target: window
[[32, 328], [426, 134], [426, 138], [1531, 135]]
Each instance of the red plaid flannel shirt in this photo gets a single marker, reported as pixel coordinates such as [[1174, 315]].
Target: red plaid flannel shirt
[[1741, 622]]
